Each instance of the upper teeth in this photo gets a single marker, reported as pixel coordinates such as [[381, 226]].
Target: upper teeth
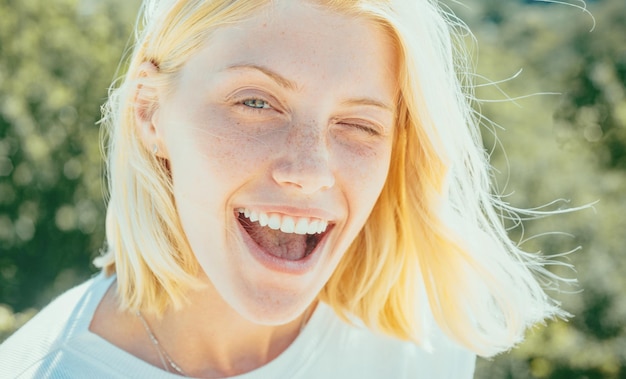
[[286, 224]]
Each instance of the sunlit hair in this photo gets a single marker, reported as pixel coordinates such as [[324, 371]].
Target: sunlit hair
[[435, 238]]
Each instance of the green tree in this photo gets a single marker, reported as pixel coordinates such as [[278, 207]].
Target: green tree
[[57, 60], [568, 145]]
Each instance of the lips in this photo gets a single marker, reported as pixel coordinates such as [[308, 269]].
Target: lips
[[282, 236]]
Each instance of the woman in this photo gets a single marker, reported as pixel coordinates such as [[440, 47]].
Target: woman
[[297, 190]]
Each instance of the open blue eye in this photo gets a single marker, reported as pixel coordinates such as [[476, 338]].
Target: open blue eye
[[256, 103]]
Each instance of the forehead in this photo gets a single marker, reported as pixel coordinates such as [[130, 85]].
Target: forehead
[[300, 39]]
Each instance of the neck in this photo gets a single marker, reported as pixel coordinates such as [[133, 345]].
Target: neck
[[208, 339]]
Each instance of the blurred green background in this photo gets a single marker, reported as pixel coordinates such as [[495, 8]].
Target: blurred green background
[[58, 57]]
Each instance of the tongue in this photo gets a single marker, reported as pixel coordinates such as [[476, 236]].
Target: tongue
[[282, 245]]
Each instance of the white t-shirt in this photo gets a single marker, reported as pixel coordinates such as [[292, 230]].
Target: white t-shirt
[[57, 343]]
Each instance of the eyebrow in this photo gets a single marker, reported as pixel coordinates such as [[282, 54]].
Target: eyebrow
[[370, 102], [281, 80]]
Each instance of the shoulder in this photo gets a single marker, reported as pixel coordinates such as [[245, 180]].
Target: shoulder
[[368, 354], [52, 329]]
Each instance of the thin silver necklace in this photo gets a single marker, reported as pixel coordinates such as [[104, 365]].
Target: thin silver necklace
[[163, 356], [168, 362]]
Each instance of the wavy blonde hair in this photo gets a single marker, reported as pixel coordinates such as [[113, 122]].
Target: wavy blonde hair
[[435, 238]]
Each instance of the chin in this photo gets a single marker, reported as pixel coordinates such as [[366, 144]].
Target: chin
[[273, 308]]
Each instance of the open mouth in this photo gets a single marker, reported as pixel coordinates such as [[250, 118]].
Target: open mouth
[[283, 236]]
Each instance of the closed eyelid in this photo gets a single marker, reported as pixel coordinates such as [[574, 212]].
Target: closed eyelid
[[380, 113], [379, 127]]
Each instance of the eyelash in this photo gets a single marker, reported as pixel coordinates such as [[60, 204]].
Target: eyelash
[[367, 129]]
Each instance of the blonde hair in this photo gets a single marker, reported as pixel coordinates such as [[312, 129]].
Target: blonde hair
[[436, 228]]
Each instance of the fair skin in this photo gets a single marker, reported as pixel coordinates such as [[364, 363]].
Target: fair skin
[[288, 115]]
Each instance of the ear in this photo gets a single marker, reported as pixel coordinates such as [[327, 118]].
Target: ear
[[146, 110]]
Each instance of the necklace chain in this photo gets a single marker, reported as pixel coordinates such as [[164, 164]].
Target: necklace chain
[[163, 356]]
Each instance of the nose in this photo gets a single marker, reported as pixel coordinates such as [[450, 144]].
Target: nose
[[305, 161]]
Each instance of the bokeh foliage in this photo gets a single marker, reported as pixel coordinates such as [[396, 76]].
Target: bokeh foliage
[[57, 58], [572, 146]]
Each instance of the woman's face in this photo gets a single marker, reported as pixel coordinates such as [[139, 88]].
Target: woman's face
[[279, 135]]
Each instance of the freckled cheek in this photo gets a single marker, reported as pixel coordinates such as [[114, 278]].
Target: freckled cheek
[[232, 153], [209, 168], [365, 173]]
